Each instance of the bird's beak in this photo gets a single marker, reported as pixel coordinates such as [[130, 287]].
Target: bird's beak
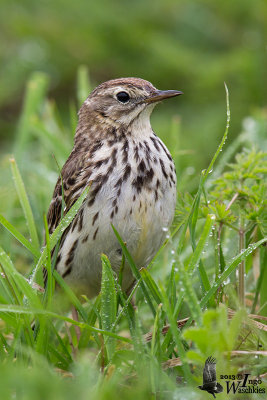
[[162, 95]]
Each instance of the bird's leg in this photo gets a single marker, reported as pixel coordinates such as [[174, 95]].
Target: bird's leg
[[76, 318], [70, 340], [74, 314]]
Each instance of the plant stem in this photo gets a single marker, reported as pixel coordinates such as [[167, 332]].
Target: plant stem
[[241, 270], [232, 201]]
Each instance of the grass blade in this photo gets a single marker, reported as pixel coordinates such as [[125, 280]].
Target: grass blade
[[20, 310], [228, 117], [34, 98], [228, 270], [190, 294], [56, 235], [83, 84], [17, 235], [261, 283], [176, 333], [24, 201], [194, 211], [135, 271], [20, 282], [50, 139], [50, 286], [151, 285], [70, 294], [192, 227], [67, 219], [108, 309], [194, 259]]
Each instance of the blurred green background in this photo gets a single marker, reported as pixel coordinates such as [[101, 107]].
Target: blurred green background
[[189, 45]]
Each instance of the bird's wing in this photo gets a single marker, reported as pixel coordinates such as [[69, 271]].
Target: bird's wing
[[75, 176], [209, 371], [73, 179]]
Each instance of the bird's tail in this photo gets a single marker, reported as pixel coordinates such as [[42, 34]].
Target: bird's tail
[[219, 388]]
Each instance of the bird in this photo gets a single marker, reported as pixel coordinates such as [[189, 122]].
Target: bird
[[132, 181], [209, 378]]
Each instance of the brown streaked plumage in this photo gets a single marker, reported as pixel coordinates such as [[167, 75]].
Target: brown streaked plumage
[[132, 178]]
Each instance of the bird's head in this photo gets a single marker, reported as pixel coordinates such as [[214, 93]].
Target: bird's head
[[121, 101]]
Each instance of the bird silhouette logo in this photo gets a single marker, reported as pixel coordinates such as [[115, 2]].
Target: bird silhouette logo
[[209, 378]]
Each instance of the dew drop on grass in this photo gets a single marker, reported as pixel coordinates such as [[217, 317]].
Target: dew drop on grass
[[165, 229]]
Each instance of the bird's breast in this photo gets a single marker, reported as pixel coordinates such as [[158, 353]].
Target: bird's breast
[[133, 188]]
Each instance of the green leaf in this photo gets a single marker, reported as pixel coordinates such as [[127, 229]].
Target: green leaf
[[217, 334]]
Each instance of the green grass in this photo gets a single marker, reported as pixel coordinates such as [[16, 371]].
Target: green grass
[[217, 241]]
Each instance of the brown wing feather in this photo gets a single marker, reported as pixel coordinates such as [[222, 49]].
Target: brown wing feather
[[75, 177], [72, 185]]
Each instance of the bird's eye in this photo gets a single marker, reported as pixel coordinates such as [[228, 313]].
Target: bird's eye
[[123, 97]]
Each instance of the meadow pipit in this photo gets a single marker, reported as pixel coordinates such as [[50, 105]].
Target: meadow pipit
[[133, 184]]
